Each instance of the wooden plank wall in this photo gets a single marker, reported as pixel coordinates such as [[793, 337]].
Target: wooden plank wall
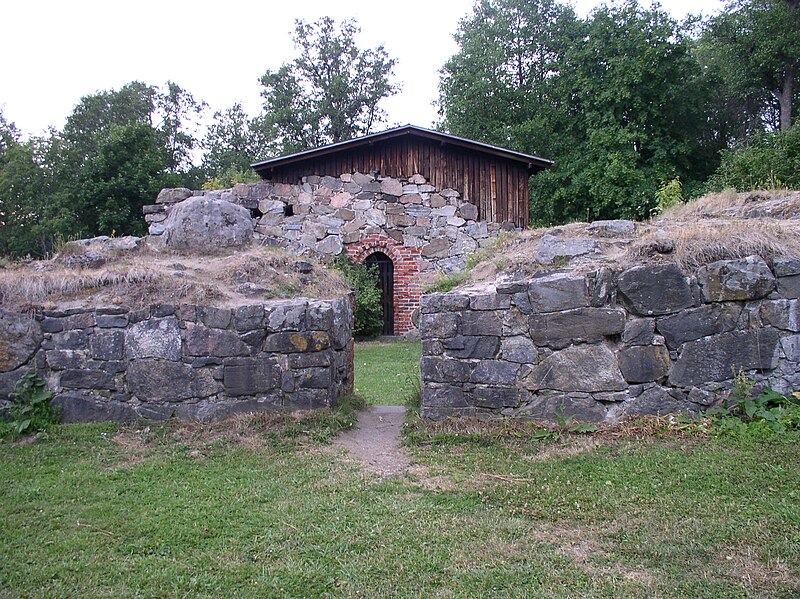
[[498, 187]]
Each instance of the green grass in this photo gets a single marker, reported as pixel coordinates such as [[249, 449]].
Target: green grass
[[251, 510], [387, 372]]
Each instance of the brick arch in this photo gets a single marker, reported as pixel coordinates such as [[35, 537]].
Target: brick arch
[[407, 289]]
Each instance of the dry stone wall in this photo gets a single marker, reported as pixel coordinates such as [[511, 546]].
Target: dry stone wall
[[421, 228], [187, 361], [601, 344]]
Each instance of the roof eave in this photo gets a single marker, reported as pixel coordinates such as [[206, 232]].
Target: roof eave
[[534, 163]]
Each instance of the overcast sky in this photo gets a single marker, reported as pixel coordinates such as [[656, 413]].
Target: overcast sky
[[54, 52]]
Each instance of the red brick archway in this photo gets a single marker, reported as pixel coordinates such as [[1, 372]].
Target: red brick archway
[[407, 288]]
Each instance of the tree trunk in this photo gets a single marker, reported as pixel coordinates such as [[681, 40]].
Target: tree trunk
[[785, 100]]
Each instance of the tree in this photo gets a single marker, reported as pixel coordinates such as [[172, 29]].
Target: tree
[[127, 172], [9, 134], [613, 99], [755, 45], [233, 142], [499, 86], [179, 110], [331, 92]]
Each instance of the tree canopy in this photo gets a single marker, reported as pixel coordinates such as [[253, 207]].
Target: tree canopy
[[624, 101], [627, 101], [331, 92]]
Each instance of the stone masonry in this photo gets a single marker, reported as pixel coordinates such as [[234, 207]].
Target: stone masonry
[[188, 361], [422, 229], [595, 346]]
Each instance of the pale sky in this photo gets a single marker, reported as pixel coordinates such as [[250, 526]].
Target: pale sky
[[54, 52]]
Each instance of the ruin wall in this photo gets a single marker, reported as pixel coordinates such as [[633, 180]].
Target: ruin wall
[[598, 345], [188, 361]]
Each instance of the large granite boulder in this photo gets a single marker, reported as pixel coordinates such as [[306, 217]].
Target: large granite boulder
[[200, 224]]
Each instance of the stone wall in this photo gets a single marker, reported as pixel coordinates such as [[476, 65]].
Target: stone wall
[[423, 230], [599, 344], [188, 361]]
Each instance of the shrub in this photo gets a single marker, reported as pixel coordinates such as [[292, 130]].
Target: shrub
[[363, 279], [31, 410], [770, 161], [745, 411], [668, 195], [230, 177]]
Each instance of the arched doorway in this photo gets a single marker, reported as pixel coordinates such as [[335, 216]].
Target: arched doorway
[[386, 285]]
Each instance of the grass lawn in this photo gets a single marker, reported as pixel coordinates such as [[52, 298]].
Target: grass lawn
[[264, 508], [387, 372]]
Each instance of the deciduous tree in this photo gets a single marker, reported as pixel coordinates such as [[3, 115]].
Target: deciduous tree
[[331, 92]]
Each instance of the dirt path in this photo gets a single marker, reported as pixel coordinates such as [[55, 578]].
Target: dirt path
[[375, 440]]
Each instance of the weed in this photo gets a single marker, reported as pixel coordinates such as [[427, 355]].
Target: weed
[[745, 412], [447, 282], [31, 410]]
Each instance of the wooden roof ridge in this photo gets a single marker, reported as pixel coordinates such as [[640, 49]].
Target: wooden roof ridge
[[534, 163]]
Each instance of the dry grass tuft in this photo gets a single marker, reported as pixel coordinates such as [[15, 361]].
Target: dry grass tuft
[[695, 244], [744, 564], [141, 278], [730, 204]]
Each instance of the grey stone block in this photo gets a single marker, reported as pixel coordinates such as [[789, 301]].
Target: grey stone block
[[588, 368], [639, 331], [782, 314], [482, 323], [63, 359], [554, 407], [519, 349], [111, 321], [203, 341], [108, 345], [698, 322], [489, 301], [154, 338], [247, 318], [444, 396], [215, 318], [299, 341], [250, 376], [496, 396], [736, 280], [494, 372], [444, 370], [655, 290], [161, 380], [443, 302], [582, 325], [558, 291], [643, 363], [87, 379], [439, 325], [479, 347], [720, 357]]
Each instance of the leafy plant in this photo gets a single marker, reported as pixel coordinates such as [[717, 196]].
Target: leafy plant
[[769, 161], [744, 411], [368, 312], [446, 282], [669, 194], [31, 410]]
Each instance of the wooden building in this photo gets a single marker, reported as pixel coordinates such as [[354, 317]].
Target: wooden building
[[493, 179]]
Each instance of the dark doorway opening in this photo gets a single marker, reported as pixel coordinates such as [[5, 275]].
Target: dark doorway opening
[[386, 285]]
